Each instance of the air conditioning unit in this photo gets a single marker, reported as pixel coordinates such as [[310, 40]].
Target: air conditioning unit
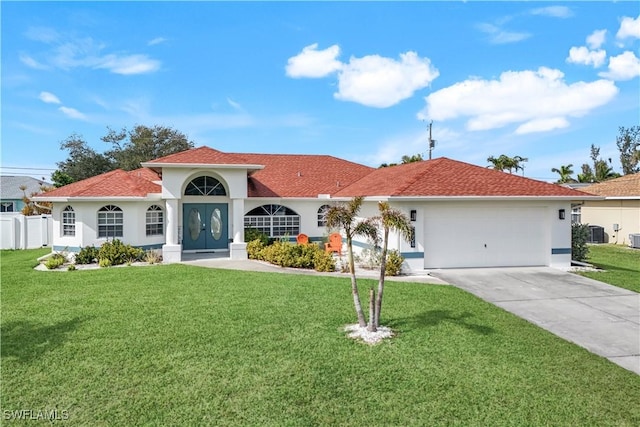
[[596, 234], [634, 240]]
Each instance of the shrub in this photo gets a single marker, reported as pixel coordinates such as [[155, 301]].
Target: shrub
[[71, 267], [117, 253], [579, 238], [87, 255], [54, 261], [323, 261], [394, 263], [152, 256], [251, 234], [285, 254], [255, 248]]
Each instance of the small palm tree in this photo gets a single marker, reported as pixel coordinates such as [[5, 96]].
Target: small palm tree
[[565, 172], [390, 220], [345, 216]]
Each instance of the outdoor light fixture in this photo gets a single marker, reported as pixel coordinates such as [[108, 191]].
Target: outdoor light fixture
[[561, 214], [414, 215]]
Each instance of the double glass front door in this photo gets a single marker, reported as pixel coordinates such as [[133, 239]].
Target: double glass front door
[[205, 226]]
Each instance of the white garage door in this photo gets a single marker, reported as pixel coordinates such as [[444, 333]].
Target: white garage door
[[485, 237]]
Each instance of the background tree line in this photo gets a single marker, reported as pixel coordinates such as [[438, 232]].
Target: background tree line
[[128, 150]]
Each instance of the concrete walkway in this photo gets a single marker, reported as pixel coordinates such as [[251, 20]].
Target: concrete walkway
[[224, 262], [602, 318]]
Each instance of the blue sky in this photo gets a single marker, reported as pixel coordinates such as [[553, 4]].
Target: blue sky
[[354, 80]]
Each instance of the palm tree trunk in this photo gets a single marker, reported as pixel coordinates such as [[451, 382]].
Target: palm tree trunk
[[354, 286], [383, 270], [372, 327]]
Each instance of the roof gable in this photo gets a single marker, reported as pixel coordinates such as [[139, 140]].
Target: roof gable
[[444, 177], [625, 186], [201, 155]]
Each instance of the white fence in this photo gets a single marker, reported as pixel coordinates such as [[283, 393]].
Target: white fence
[[25, 232]]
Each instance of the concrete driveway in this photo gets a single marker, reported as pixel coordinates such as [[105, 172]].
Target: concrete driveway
[[602, 318]]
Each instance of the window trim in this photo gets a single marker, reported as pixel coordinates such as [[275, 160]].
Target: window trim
[[274, 220], [209, 187], [68, 221], [117, 222], [7, 203], [154, 227], [322, 215]]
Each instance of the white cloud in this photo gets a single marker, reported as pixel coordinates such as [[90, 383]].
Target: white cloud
[[534, 100], [72, 113], [236, 106], [312, 62], [381, 82], [499, 36], [596, 39], [49, 98], [372, 80], [156, 41], [31, 63], [73, 52], [131, 64], [542, 125], [625, 66], [582, 55], [553, 11], [42, 34], [629, 28]]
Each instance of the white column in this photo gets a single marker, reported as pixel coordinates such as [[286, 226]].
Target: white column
[[172, 222], [171, 250], [238, 247]]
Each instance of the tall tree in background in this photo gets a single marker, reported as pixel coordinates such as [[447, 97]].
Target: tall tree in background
[[601, 169], [505, 162], [144, 144], [130, 148], [83, 161], [565, 173], [628, 142], [405, 159]]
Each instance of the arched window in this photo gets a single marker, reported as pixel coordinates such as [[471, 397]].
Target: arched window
[[155, 221], [68, 222], [110, 221], [273, 220], [205, 186], [322, 213]]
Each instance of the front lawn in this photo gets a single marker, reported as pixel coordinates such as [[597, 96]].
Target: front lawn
[[621, 265], [184, 345]]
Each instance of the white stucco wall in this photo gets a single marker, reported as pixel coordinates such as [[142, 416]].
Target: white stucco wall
[[86, 215]]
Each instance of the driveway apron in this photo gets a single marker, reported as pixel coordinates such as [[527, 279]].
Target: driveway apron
[[602, 318]]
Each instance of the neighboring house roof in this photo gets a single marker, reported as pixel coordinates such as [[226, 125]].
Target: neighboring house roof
[[117, 183], [10, 186], [444, 177], [293, 175], [627, 186]]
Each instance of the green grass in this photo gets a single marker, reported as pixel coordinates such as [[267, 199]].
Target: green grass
[[183, 345], [621, 265]]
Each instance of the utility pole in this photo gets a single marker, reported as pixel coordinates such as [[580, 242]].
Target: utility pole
[[432, 142]]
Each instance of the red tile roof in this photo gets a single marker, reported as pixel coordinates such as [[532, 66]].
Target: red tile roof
[[291, 175], [203, 155], [116, 183], [444, 177], [625, 186]]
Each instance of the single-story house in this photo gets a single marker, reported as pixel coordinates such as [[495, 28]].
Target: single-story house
[[11, 191], [619, 212], [203, 199]]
